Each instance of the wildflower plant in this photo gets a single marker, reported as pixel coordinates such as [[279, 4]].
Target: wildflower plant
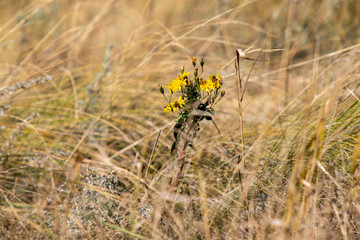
[[191, 99]]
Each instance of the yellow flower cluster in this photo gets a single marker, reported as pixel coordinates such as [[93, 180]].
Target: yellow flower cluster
[[214, 82], [175, 105], [177, 83], [192, 91]]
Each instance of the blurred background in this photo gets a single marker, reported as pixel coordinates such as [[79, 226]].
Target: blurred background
[[79, 97]]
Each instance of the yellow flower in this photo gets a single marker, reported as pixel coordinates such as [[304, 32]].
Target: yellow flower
[[177, 83], [206, 85], [168, 108], [184, 76], [181, 101], [216, 81], [178, 103], [175, 105]]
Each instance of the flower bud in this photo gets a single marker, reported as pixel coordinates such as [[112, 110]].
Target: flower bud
[[193, 59], [195, 72], [182, 69], [161, 89], [222, 93], [190, 81]]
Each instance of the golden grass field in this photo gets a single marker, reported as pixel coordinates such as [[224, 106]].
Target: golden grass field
[[85, 143]]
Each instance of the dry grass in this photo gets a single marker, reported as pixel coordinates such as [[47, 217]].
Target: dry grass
[[81, 119]]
